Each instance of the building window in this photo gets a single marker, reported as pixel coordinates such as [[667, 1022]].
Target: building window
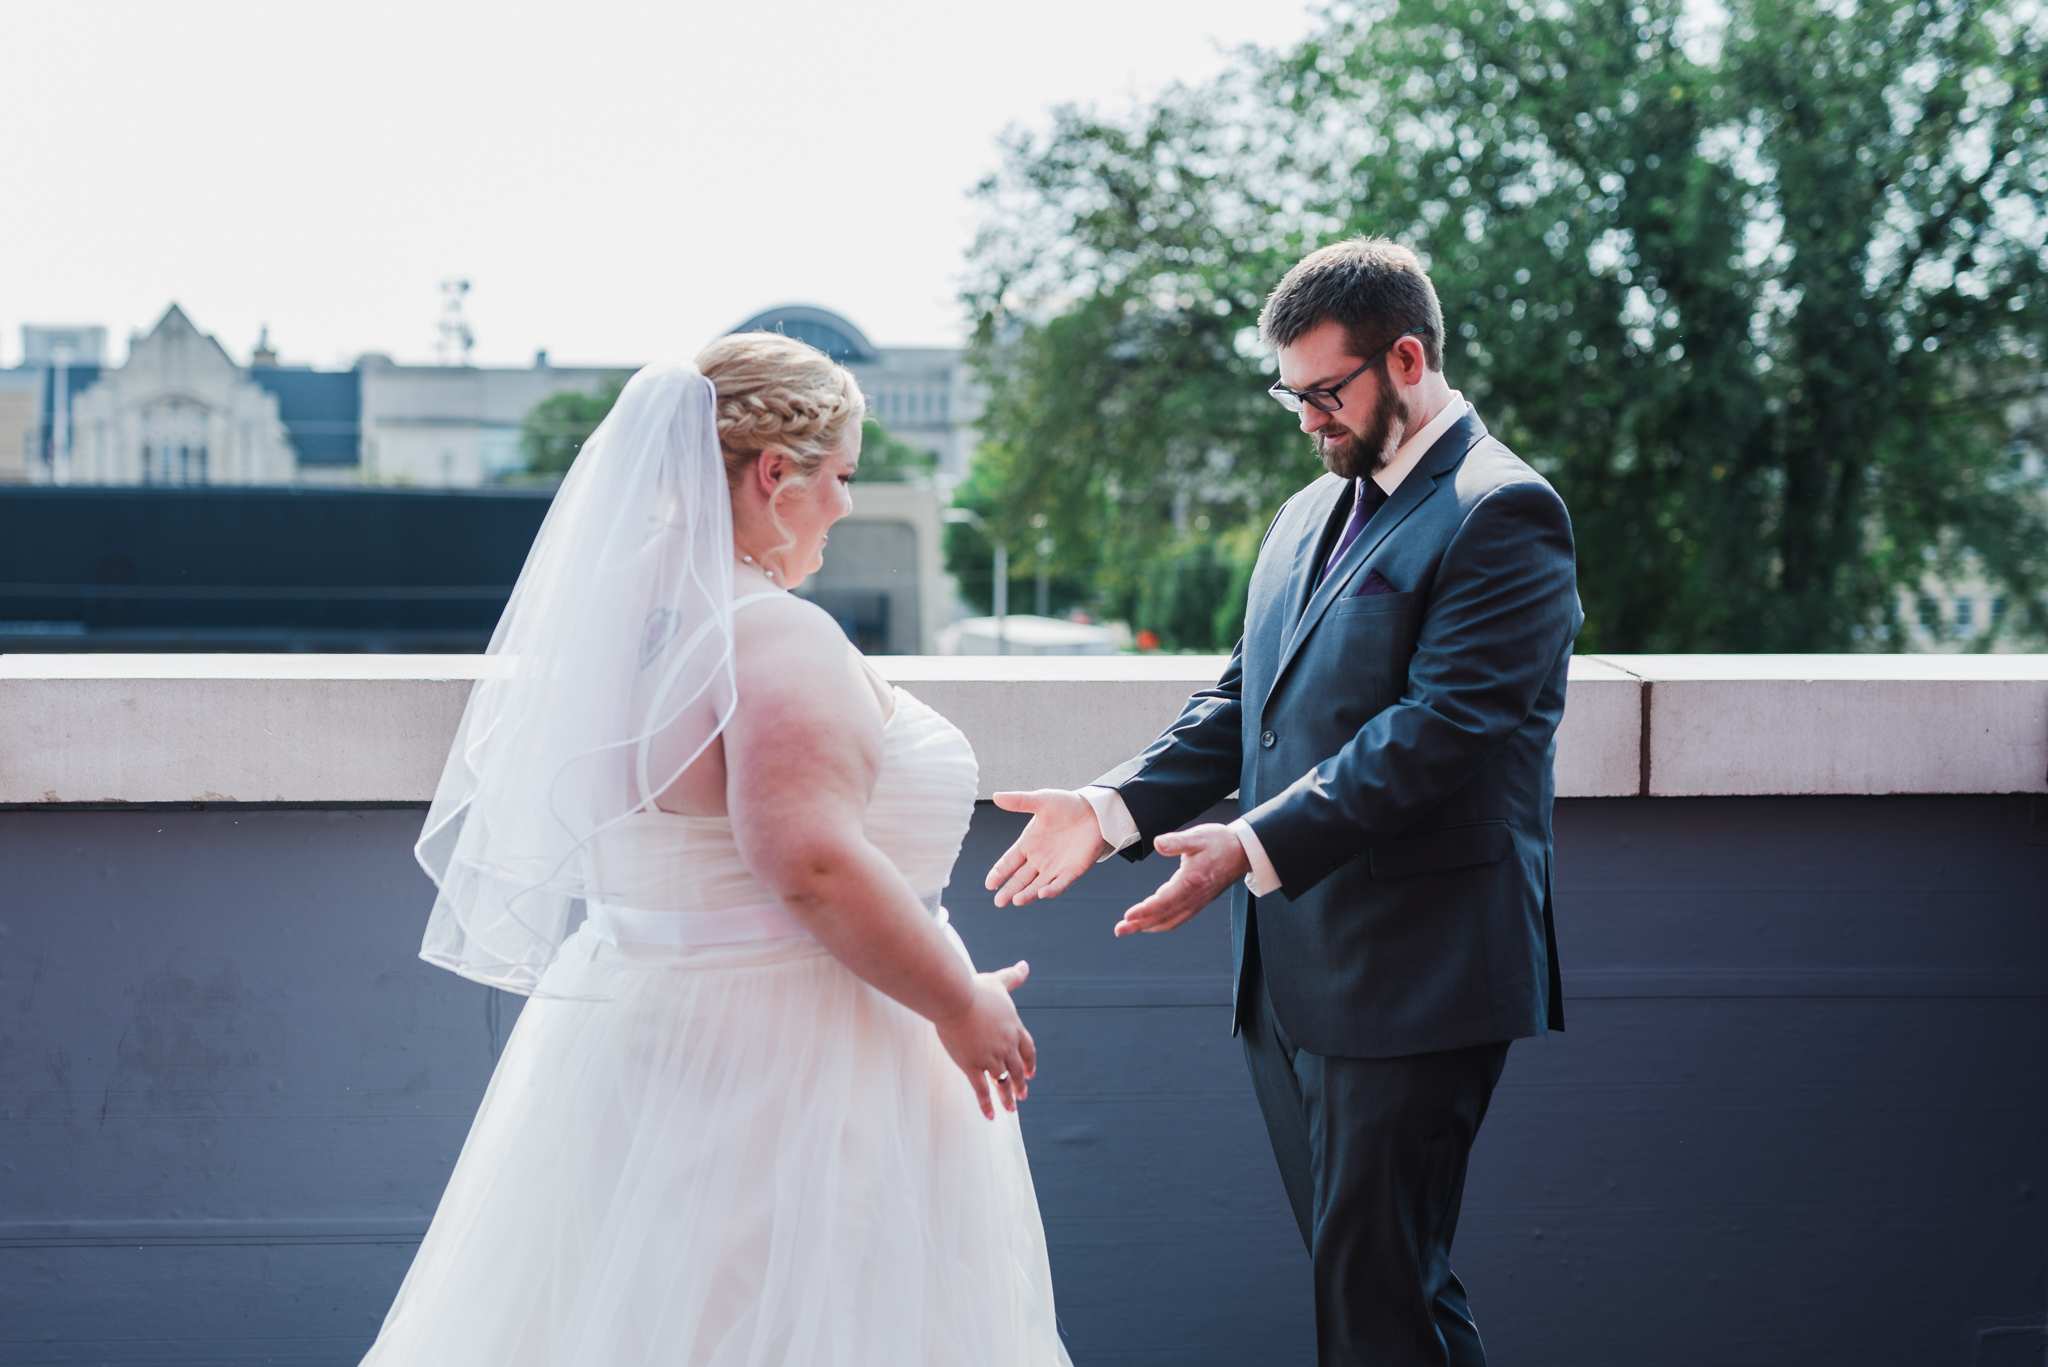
[[166, 464], [1966, 615], [1997, 613], [174, 449], [1930, 615]]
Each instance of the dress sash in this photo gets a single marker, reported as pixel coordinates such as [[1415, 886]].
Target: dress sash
[[699, 929]]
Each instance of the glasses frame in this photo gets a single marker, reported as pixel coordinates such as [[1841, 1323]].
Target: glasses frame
[[1323, 398]]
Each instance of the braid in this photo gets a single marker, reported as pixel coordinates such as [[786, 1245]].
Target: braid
[[776, 392]]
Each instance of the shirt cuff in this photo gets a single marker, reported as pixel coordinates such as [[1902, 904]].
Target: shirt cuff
[[1262, 879], [1119, 832]]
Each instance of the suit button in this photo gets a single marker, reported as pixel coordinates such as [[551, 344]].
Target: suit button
[[1268, 739]]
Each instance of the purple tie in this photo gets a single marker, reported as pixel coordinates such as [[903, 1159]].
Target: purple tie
[[1369, 498]]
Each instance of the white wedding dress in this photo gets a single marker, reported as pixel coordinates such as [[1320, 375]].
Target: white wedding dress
[[745, 1157]]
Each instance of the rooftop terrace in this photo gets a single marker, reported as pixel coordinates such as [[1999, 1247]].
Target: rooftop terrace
[[1800, 1114]]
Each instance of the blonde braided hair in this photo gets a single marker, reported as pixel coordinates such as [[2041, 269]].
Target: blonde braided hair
[[776, 393]]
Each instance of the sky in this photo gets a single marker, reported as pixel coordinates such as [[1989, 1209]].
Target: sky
[[618, 181]]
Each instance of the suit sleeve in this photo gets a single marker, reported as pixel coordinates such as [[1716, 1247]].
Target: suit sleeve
[[1503, 610], [1193, 765], [1196, 762]]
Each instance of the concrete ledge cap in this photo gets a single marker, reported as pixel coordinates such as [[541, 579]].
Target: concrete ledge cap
[[376, 728], [1754, 725], [145, 668], [1826, 668]]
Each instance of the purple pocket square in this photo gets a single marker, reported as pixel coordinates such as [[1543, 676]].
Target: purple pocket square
[[1375, 583]]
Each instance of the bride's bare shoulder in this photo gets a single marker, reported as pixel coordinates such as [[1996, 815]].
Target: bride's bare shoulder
[[785, 622], [788, 647]]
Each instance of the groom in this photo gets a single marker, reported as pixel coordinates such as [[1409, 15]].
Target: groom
[[1387, 721]]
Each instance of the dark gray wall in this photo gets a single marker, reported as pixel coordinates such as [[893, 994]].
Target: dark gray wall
[[260, 568], [1801, 1114]]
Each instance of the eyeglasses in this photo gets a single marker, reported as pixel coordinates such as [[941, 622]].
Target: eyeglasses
[[1325, 398]]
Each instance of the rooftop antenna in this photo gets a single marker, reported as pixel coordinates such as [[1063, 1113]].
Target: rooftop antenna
[[456, 338]]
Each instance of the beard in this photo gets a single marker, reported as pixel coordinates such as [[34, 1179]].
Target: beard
[[1351, 453]]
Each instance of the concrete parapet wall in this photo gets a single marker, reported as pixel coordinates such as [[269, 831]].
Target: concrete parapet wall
[[376, 728], [1800, 1116]]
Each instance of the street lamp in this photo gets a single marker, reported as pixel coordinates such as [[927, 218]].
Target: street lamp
[[1043, 606], [1002, 593]]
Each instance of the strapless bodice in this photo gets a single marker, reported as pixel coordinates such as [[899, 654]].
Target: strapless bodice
[[680, 879]]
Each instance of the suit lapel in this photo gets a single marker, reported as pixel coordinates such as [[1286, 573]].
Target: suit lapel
[[1442, 458], [1320, 517]]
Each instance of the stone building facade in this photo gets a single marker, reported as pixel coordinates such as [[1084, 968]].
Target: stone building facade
[[180, 411]]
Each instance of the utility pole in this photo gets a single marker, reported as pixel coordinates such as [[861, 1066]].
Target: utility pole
[[1042, 599], [1002, 596]]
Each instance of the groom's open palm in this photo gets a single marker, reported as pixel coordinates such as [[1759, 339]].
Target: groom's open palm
[[1062, 841]]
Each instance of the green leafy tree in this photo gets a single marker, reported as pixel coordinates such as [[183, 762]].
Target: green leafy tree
[[1117, 283], [883, 458], [1763, 300], [554, 430], [970, 552]]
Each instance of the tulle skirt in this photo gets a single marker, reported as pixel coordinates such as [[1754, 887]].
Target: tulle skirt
[[746, 1157]]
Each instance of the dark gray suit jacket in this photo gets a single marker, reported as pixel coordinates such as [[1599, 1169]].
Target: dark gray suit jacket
[[1392, 751]]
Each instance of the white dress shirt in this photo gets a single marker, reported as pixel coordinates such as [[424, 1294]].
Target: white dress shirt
[[1119, 831]]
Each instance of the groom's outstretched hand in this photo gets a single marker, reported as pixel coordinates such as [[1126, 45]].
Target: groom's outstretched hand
[[1211, 859], [1062, 842]]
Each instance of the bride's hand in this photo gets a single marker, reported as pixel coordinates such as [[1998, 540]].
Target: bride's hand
[[1061, 843], [989, 1042]]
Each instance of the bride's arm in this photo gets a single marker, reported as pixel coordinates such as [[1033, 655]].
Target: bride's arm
[[802, 753]]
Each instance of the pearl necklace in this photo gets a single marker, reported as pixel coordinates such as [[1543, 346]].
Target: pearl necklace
[[773, 577]]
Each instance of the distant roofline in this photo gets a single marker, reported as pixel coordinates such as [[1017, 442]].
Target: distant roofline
[[380, 360], [769, 320]]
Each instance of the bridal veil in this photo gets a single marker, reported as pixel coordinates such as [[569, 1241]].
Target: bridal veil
[[609, 672]]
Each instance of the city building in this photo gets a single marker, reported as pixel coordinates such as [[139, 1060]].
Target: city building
[[20, 406], [455, 427], [884, 578], [180, 411], [1958, 617], [1963, 611], [925, 396], [56, 361]]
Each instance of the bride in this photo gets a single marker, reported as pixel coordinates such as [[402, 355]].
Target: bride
[[731, 1126]]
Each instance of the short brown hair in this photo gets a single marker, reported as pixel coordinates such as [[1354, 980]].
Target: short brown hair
[[1376, 289]]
